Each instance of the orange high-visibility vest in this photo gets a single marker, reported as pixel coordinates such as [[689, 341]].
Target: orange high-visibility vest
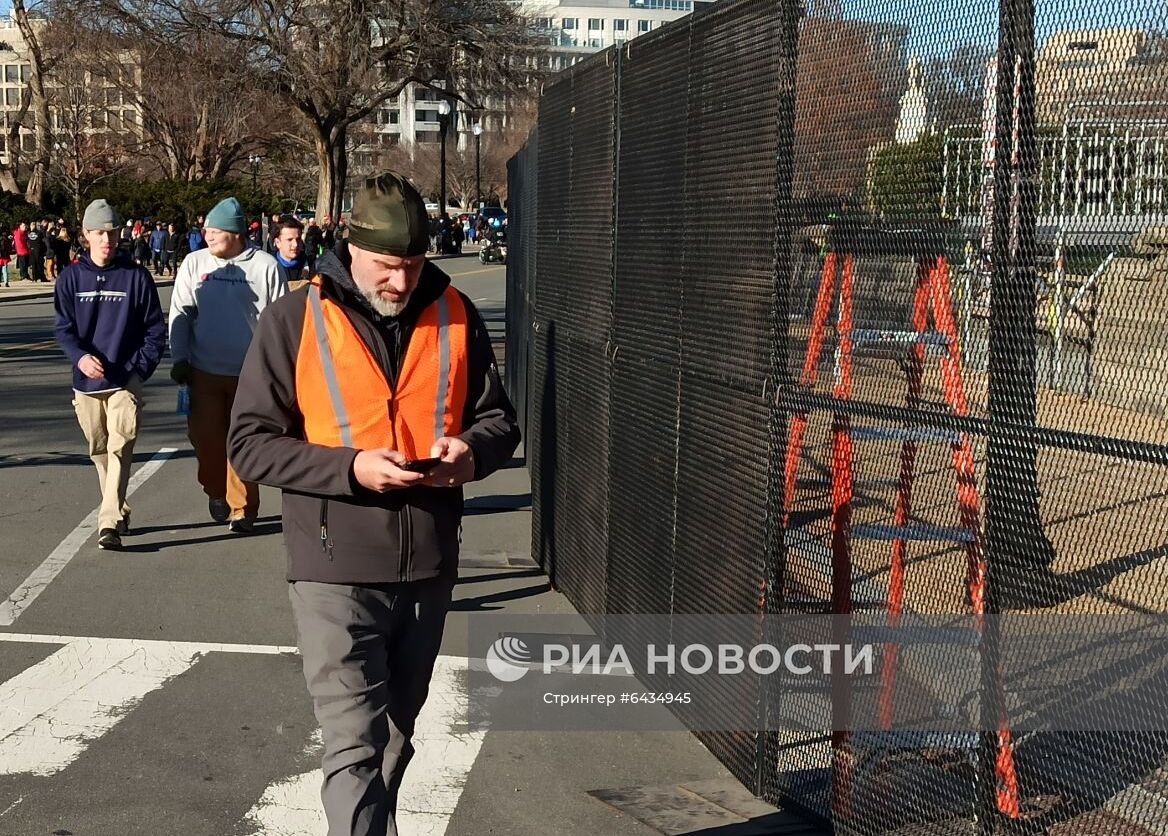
[[343, 393]]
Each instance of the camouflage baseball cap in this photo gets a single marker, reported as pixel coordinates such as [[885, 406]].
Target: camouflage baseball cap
[[389, 216]]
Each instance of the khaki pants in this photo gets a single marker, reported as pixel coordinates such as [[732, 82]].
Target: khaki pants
[[110, 423], [207, 425]]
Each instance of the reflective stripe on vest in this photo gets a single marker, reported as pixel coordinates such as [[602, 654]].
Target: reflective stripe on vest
[[328, 368], [343, 394]]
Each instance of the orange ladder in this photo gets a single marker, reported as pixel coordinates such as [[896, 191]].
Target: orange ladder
[[932, 295]]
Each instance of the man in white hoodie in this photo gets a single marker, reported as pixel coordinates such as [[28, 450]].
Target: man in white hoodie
[[219, 294]]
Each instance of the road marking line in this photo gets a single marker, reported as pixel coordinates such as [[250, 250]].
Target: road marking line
[[51, 712], [150, 645], [43, 575], [292, 807], [474, 272], [445, 753], [55, 709]]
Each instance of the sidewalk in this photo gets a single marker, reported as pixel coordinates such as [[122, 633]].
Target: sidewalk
[[21, 290], [613, 783]]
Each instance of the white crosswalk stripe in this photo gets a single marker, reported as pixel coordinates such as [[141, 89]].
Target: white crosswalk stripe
[[53, 711]]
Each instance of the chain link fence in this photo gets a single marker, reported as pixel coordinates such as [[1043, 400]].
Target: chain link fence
[[863, 308]]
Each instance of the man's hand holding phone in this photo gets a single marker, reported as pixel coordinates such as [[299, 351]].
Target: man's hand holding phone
[[382, 470], [456, 465]]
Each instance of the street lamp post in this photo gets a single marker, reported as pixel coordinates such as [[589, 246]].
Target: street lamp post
[[478, 135], [254, 161], [443, 125]]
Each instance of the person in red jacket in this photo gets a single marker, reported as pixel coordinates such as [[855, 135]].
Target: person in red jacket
[[20, 244]]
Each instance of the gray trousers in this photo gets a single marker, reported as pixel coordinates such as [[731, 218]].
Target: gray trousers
[[368, 654]]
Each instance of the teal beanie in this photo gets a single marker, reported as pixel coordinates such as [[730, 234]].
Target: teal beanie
[[227, 216]]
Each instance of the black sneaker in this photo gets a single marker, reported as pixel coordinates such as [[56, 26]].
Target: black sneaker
[[124, 526], [108, 538], [241, 525], [219, 510]]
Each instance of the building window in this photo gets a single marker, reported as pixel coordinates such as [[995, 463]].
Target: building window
[[543, 23], [644, 26], [428, 136], [568, 24], [620, 25], [28, 142], [1082, 46], [595, 24], [12, 97], [596, 43], [11, 74], [669, 5], [422, 115]]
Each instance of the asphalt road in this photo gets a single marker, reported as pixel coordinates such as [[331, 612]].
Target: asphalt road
[[156, 690]]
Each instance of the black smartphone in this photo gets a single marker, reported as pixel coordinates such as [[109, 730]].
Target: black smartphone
[[421, 465]]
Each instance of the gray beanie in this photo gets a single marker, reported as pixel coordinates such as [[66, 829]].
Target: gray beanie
[[100, 215]]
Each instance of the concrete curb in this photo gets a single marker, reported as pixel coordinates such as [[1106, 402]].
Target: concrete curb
[[47, 292]]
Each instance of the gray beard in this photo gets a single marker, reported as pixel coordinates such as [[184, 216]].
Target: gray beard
[[383, 306]]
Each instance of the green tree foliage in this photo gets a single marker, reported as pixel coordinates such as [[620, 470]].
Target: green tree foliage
[[907, 180], [14, 209], [180, 200]]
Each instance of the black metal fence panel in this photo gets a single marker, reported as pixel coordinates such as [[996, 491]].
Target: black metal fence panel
[[863, 308], [647, 299], [522, 212]]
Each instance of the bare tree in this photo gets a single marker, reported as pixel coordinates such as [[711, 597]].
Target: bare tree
[[34, 191], [91, 139], [847, 87], [955, 84], [336, 62], [203, 122], [467, 175]]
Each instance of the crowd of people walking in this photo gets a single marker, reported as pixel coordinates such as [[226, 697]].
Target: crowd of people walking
[[39, 250]]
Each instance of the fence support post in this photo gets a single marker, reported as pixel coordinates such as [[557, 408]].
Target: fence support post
[[787, 26], [1017, 551]]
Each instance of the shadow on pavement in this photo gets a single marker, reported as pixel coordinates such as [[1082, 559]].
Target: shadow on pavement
[[59, 458], [501, 576], [482, 602], [264, 526], [498, 502]]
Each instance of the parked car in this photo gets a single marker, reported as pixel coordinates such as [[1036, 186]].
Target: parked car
[[493, 215]]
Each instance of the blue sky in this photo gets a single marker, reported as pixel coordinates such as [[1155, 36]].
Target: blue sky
[[953, 22], [937, 27]]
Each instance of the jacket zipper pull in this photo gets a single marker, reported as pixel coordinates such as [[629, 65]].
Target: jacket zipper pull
[[326, 545]]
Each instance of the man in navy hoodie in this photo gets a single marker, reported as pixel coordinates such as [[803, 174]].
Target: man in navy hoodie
[[110, 326]]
